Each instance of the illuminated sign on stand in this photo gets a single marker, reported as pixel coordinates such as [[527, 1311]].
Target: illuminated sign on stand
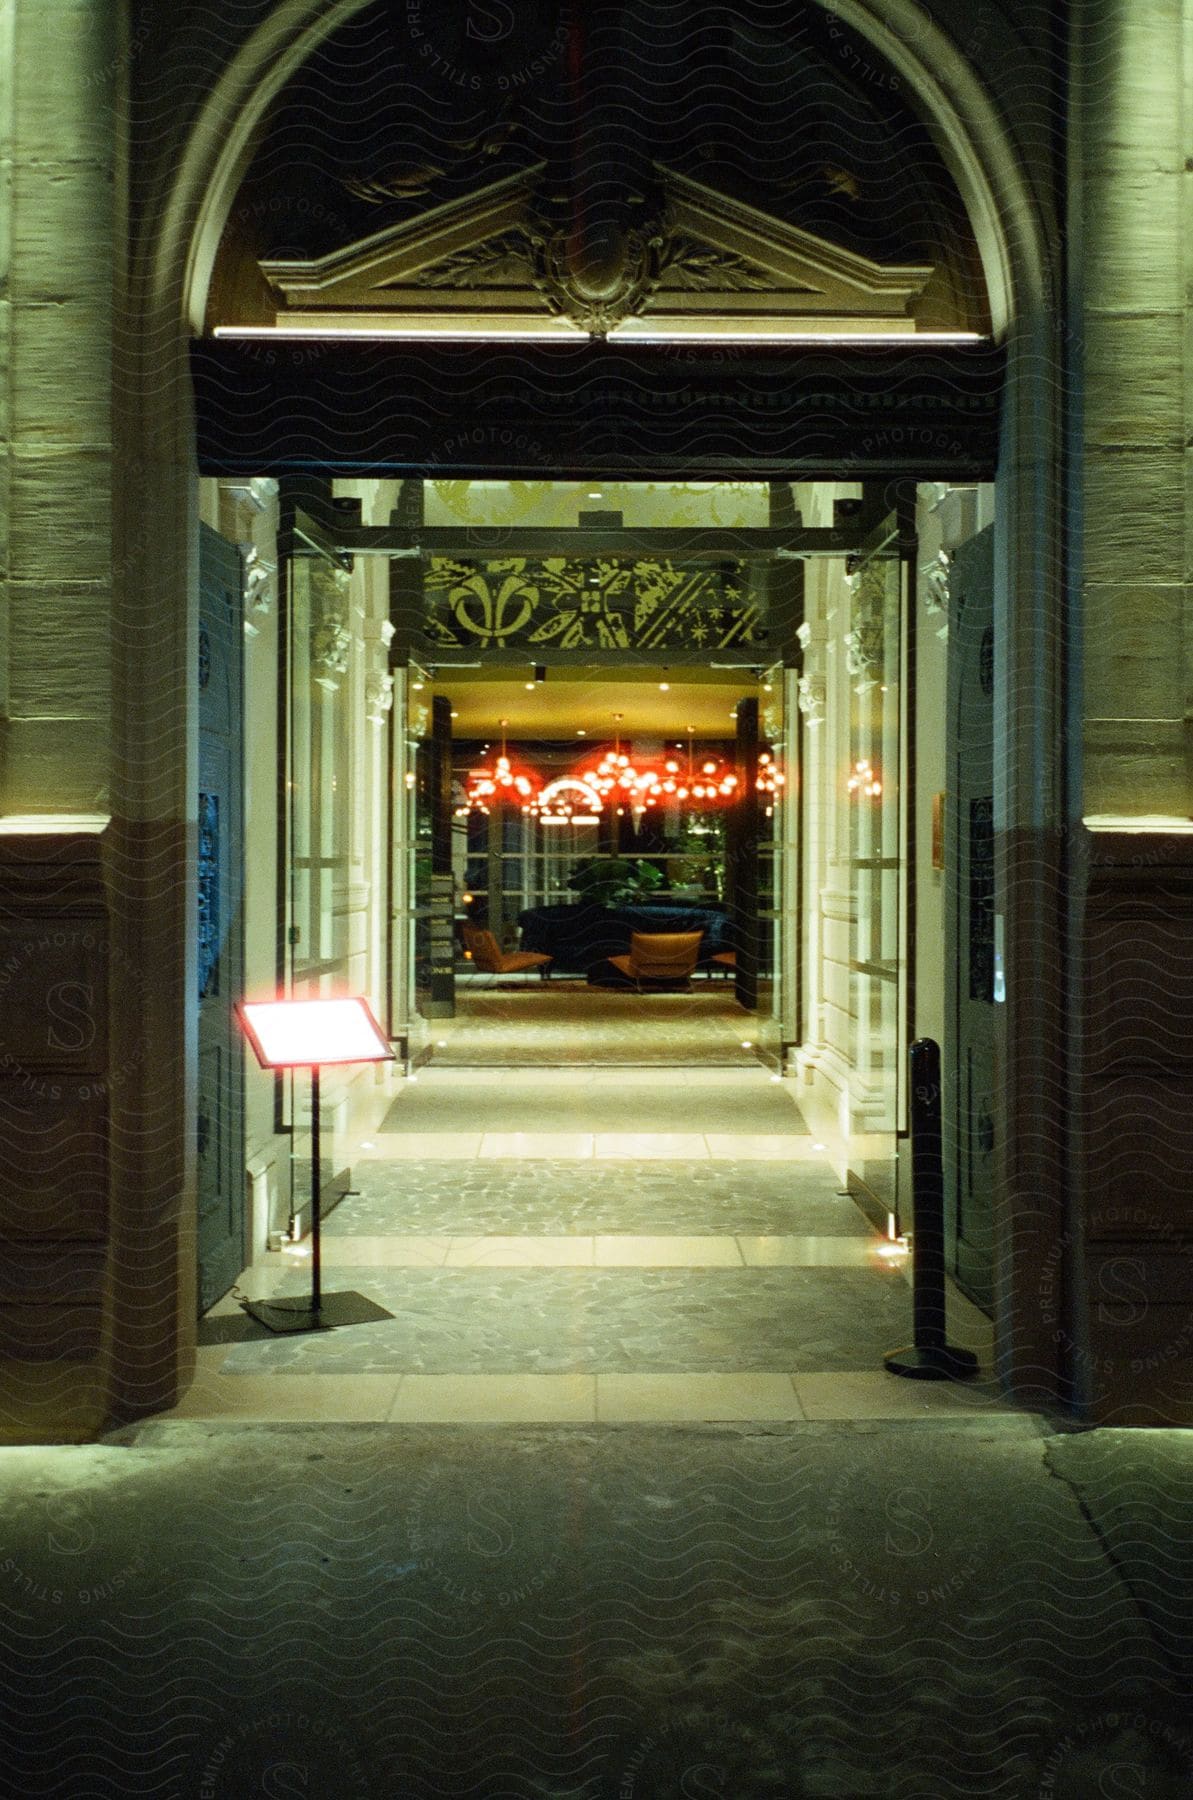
[[309, 1034]]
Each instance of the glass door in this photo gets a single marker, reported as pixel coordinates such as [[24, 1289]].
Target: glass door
[[875, 787], [776, 870], [318, 776]]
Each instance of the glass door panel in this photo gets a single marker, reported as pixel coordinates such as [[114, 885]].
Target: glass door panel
[[318, 746], [874, 785], [774, 873]]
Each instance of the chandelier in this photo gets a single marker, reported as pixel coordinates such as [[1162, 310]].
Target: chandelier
[[617, 780], [500, 782], [659, 781], [770, 776]]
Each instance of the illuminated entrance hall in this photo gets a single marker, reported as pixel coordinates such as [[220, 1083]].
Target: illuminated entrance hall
[[596, 1185]]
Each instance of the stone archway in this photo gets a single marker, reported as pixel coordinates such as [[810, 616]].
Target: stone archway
[[188, 195]]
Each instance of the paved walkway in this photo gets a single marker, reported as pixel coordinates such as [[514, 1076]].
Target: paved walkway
[[511, 1021], [902, 1610], [566, 1245], [616, 1505]]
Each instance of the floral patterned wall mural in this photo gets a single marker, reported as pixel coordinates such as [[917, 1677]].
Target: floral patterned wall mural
[[606, 603]]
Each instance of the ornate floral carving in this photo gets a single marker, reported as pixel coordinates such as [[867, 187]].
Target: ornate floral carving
[[697, 268], [937, 578], [498, 262], [937, 575], [379, 696], [330, 643], [813, 698], [865, 645], [596, 313], [330, 637], [258, 581]]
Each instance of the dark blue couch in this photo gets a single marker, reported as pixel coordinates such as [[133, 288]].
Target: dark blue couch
[[578, 937]]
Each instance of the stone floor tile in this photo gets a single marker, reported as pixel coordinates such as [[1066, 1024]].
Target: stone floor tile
[[667, 1252], [875, 1394], [495, 1399], [655, 1145], [366, 1398], [622, 1398], [808, 1252], [444, 1146], [759, 1147], [576, 1144], [385, 1252], [519, 1252]]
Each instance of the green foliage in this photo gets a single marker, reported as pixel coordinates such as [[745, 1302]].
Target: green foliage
[[605, 881]]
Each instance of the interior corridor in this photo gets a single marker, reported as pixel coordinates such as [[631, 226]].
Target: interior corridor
[[581, 1244]]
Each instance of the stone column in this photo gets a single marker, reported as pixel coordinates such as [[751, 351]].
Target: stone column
[[60, 219], [1122, 1318], [1130, 338]]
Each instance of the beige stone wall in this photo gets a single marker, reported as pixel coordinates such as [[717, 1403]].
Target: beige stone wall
[[1132, 273], [60, 1074], [58, 223]]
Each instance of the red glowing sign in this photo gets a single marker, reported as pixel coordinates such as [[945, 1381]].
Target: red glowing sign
[[303, 1034]]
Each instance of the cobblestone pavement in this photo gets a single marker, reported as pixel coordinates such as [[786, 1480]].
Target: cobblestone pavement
[[553, 1196], [611, 1321]]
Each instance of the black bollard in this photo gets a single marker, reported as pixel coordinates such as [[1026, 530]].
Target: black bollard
[[931, 1357]]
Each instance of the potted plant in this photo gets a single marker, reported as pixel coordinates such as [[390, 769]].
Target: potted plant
[[604, 881]]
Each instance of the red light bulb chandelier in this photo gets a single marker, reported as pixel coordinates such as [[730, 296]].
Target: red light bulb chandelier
[[501, 783], [618, 780]]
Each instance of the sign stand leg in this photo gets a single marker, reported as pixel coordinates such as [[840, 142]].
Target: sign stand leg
[[316, 1198], [319, 1312]]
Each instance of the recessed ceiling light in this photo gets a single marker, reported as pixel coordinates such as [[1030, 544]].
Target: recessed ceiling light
[[664, 687], [596, 494], [581, 733], [455, 715], [530, 687]]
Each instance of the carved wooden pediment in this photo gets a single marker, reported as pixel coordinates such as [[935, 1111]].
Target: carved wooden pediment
[[694, 262]]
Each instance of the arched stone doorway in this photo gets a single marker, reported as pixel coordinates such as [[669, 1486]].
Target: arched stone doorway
[[187, 194]]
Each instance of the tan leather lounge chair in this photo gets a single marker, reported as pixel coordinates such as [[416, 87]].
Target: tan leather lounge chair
[[660, 956], [488, 956]]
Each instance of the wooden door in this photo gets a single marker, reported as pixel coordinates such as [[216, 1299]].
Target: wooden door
[[220, 1120], [969, 922]]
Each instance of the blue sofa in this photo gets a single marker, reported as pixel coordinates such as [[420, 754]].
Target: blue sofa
[[579, 937]]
